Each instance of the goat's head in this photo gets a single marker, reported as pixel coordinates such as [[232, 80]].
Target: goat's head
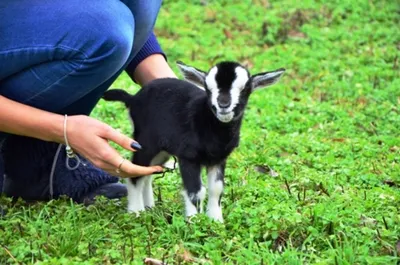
[[228, 86]]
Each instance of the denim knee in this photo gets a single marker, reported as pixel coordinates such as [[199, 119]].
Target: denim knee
[[69, 31], [108, 34], [76, 48], [145, 13]]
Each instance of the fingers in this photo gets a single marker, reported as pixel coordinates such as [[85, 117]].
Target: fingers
[[94, 146], [130, 170], [122, 140], [125, 168]]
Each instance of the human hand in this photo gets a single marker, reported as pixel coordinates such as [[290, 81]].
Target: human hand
[[89, 137]]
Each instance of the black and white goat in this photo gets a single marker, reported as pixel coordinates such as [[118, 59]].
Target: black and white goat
[[200, 127]]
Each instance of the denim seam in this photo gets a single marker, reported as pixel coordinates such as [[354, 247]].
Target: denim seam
[[44, 46], [61, 78]]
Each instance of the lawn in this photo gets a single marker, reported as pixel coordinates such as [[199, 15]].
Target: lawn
[[330, 130]]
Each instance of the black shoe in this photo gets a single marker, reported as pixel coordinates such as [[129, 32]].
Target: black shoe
[[110, 191], [28, 163]]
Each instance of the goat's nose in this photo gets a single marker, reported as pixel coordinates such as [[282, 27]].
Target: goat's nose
[[223, 104]]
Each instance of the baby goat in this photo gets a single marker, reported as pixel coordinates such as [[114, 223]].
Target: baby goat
[[199, 127]]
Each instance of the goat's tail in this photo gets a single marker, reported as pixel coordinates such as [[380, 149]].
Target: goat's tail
[[117, 95]]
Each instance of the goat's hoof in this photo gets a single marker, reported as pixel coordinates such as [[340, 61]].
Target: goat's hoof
[[135, 212], [149, 206], [216, 217], [189, 218], [221, 220]]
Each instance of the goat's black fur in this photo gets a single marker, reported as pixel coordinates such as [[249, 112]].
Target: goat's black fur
[[179, 118], [190, 131]]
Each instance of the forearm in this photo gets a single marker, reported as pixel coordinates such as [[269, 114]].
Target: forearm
[[24, 120], [149, 63], [20, 119], [153, 67]]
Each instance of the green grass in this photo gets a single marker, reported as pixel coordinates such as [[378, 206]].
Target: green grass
[[329, 128]]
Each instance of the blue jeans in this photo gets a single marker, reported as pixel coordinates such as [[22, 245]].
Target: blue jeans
[[60, 56]]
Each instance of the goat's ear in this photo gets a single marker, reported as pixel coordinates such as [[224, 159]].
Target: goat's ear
[[192, 74], [266, 79]]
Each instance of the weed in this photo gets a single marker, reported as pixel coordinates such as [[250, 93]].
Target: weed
[[315, 179]]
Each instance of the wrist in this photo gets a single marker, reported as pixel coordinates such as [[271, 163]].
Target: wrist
[[55, 132], [153, 67]]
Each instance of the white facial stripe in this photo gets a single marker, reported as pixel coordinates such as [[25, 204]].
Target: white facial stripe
[[241, 78], [210, 79], [212, 86], [238, 85]]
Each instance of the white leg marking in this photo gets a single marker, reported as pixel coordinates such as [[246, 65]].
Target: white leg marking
[[189, 206], [135, 196], [148, 197], [190, 209], [215, 189]]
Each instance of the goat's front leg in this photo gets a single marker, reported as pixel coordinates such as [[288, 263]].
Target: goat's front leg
[[215, 175], [194, 192]]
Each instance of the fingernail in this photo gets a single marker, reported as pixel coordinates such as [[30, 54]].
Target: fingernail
[[136, 146]]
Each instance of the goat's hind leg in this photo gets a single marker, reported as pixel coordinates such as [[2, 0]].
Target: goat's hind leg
[[135, 195], [138, 187], [148, 196], [194, 192], [215, 175]]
